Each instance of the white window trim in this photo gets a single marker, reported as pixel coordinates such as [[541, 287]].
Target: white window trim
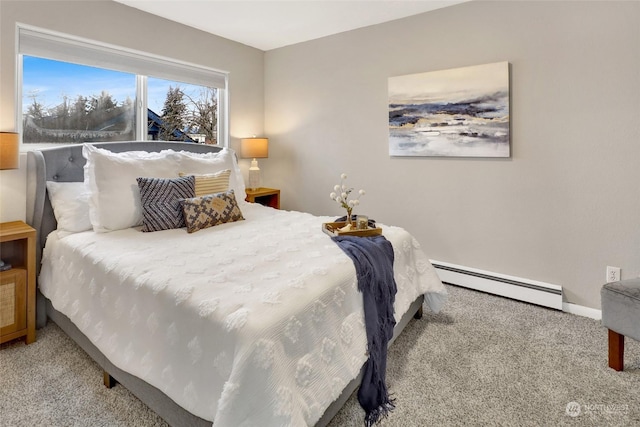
[[34, 41]]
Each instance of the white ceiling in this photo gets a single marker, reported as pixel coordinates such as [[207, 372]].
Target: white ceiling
[[267, 24]]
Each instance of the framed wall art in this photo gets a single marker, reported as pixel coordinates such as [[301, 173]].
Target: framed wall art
[[461, 112]]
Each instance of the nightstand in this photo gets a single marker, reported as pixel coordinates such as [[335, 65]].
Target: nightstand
[[265, 196], [18, 284]]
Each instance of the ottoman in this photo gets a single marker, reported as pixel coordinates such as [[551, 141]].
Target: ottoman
[[621, 315]]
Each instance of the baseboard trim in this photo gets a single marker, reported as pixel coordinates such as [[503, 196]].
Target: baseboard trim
[[581, 310]]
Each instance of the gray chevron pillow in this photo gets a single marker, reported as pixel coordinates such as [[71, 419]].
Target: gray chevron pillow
[[161, 201], [213, 209]]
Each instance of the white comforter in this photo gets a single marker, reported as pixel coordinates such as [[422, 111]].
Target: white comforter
[[253, 323]]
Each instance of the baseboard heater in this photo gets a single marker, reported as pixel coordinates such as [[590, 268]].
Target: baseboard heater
[[540, 293]]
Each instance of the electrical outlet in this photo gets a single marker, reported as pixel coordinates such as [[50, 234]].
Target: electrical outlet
[[613, 274]]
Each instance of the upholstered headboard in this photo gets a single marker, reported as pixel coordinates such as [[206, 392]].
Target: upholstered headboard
[[66, 164]]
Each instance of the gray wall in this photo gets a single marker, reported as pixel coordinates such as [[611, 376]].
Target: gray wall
[[111, 22], [566, 204]]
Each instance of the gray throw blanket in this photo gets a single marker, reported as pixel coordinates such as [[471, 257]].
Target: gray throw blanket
[[373, 259]]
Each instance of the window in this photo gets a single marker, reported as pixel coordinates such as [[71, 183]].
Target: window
[[71, 103], [74, 90], [181, 111]]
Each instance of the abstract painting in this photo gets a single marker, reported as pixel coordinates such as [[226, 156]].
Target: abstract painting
[[462, 112]]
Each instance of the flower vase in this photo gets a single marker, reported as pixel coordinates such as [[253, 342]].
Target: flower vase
[[348, 222]]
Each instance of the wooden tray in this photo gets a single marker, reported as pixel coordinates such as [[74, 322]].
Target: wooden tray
[[331, 228]]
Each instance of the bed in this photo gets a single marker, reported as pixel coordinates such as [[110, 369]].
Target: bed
[[249, 322]]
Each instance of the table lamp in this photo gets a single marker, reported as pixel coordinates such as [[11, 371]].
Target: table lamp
[[9, 151], [254, 148]]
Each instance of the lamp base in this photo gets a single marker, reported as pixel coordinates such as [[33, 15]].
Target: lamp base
[[254, 175]]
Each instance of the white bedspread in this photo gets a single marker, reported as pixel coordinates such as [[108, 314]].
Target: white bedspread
[[252, 323]]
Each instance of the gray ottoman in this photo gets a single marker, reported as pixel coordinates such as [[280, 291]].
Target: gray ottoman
[[621, 315]]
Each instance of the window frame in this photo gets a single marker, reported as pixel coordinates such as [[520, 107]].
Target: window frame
[[34, 41]]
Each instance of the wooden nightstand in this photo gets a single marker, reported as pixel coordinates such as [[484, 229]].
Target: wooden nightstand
[[18, 285], [265, 196]]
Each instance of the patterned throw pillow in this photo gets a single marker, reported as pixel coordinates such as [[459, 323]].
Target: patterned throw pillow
[[213, 209], [161, 208], [211, 183]]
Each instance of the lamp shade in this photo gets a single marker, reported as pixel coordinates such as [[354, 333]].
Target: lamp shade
[[254, 148], [9, 150]]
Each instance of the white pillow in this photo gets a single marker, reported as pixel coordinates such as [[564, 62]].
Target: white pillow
[[208, 163], [114, 203], [70, 203]]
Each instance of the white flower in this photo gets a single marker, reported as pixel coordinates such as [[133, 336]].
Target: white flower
[[341, 195]]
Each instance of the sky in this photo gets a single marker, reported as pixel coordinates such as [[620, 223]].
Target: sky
[[451, 85], [49, 81]]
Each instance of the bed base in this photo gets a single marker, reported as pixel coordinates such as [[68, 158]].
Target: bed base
[[166, 408]]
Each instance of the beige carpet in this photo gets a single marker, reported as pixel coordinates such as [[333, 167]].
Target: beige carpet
[[484, 360]]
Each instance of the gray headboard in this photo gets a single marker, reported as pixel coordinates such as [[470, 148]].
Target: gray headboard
[[66, 164]]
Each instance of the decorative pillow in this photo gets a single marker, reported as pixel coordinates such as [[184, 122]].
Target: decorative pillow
[[208, 163], [114, 203], [207, 211], [161, 207], [70, 203], [211, 183]]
